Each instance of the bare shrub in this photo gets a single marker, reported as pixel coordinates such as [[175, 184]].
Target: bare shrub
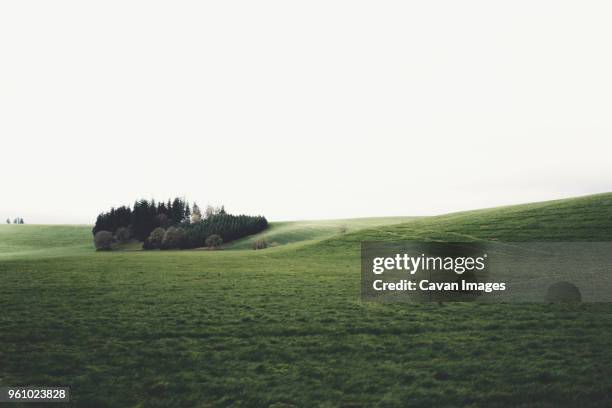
[[213, 241], [103, 240], [173, 238], [261, 243], [155, 238]]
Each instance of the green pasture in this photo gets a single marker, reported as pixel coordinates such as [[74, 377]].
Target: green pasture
[[285, 326]]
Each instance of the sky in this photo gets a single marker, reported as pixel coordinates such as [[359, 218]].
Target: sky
[[302, 110]]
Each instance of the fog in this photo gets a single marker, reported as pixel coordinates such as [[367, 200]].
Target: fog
[[320, 109]]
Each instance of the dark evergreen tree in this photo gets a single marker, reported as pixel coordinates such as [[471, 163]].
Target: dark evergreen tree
[[178, 211], [143, 219], [187, 213], [228, 227]]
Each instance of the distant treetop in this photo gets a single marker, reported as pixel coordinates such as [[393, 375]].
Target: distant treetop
[[17, 220]]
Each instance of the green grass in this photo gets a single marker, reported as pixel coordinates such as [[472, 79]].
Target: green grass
[[44, 240], [306, 232], [285, 326]]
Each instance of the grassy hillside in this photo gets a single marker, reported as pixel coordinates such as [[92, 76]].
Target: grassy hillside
[[577, 219], [285, 326], [282, 233], [44, 240]]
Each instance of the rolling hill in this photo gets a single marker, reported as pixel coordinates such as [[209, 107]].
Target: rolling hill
[[580, 219], [306, 232]]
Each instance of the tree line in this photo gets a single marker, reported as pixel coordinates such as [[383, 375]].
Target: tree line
[[173, 224], [17, 220]]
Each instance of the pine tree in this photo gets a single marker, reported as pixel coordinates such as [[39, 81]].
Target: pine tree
[[178, 210], [8, 221], [187, 213]]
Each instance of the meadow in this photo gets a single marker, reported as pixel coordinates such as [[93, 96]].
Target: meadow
[[285, 326]]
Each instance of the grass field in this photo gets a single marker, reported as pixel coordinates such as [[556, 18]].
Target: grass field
[[285, 326]]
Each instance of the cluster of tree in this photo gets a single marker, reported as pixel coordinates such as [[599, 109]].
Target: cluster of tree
[[228, 227], [144, 217], [15, 221], [210, 232], [173, 225]]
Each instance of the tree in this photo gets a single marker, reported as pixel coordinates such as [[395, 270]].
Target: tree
[[21, 221], [122, 234], [16, 221], [103, 240], [187, 218], [173, 238], [163, 220], [196, 214], [8, 221], [177, 211], [154, 240], [214, 241], [143, 219]]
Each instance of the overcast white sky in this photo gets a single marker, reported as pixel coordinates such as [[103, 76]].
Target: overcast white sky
[[296, 110]]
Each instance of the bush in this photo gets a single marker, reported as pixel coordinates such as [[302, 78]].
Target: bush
[[342, 229], [260, 244], [103, 240], [173, 238], [214, 241], [154, 241], [122, 234]]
